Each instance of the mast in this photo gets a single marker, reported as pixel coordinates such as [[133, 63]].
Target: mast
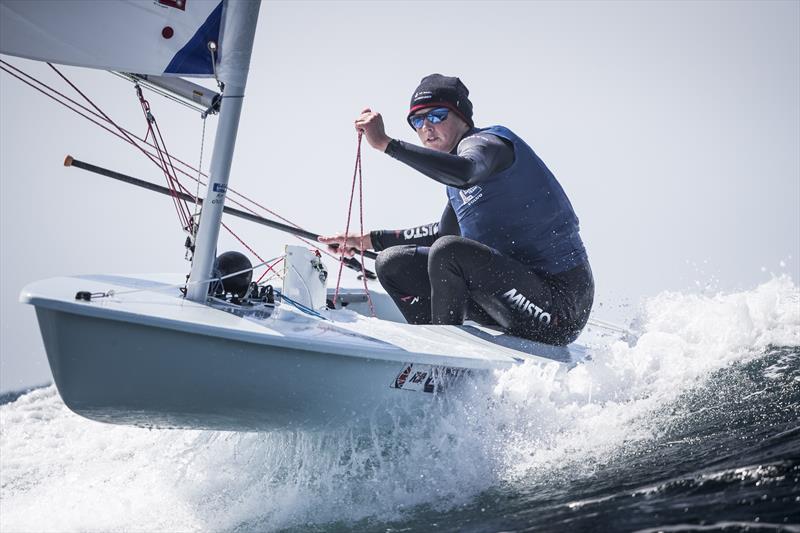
[[238, 32]]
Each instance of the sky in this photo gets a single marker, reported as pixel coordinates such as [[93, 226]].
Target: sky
[[674, 128]]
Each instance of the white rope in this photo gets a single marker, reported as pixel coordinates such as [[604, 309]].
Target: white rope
[[196, 214]]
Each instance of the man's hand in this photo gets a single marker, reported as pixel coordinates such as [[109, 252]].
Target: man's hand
[[371, 124], [347, 246]]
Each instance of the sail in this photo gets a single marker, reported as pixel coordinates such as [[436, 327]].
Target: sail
[[157, 37]]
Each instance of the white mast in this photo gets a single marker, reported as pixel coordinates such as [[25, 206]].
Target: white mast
[[238, 31]]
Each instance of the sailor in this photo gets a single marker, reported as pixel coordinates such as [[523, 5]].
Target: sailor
[[506, 251]]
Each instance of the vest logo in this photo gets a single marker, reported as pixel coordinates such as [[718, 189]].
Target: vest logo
[[523, 305], [421, 231], [471, 195]]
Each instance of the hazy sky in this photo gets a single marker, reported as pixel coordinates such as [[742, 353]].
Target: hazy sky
[[674, 127]]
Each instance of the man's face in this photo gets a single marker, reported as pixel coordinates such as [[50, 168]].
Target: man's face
[[443, 136]]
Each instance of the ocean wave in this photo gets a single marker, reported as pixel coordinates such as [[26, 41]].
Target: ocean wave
[[528, 426]]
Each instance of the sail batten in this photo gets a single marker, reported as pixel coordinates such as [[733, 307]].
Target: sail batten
[[144, 36]]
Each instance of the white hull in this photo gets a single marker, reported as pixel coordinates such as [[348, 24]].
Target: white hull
[[152, 358]]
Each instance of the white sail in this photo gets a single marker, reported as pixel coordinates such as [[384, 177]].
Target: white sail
[[159, 37]]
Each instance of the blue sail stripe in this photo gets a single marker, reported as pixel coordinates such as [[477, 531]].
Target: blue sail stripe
[[194, 57]]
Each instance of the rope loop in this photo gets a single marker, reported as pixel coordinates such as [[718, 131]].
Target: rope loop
[[356, 176]]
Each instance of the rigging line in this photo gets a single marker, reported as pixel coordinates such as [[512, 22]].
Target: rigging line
[[49, 88], [317, 247], [121, 130], [122, 133], [361, 219], [150, 155], [129, 134], [312, 244], [196, 213], [346, 227], [182, 206], [164, 158], [300, 306], [94, 113], [356, 174], [272, 268], [127, 138], [67, 106], [62, 95], [240, 240], [89, 101], [162, 164], [200, 163]]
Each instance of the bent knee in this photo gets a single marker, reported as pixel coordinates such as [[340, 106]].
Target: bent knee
[[458, 252], [448, 247], [393, 261]]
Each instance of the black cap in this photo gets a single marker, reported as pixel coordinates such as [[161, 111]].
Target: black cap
[[436, 90]]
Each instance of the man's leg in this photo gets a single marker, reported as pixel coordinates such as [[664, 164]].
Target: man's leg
[[403, 272], [521, 301]]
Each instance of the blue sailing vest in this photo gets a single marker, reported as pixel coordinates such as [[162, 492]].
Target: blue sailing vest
[[522, 212]]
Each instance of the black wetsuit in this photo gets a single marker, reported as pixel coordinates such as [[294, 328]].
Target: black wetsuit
[[524, 269]]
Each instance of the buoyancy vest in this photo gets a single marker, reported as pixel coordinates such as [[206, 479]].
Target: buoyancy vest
[[522, 212]]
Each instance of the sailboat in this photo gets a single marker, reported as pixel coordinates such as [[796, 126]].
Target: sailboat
[[220, 351]]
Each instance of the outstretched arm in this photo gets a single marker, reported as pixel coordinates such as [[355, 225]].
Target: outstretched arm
[[477, 156]]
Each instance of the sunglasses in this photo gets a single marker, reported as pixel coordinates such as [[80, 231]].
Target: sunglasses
[[434, 116]]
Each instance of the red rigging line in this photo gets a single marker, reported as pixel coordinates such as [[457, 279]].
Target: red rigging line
[[241, 241], [270, 267], [98, 118], [127, 136], [184, 214], [356, 175], [122, 133], [165, 163]]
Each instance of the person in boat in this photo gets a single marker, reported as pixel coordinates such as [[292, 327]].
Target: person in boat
[[506, 251]]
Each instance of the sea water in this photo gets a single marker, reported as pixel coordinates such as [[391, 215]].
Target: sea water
[[696, 422]]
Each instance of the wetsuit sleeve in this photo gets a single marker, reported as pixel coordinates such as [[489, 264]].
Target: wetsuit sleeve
[[478, 156], [448, 224], [419, 235]]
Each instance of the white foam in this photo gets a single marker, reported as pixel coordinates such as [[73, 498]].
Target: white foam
[[59, 472]]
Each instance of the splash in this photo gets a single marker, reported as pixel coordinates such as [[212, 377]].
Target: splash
[[59, 472]]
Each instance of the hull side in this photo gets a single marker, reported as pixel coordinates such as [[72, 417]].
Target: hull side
[[123, 372]]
